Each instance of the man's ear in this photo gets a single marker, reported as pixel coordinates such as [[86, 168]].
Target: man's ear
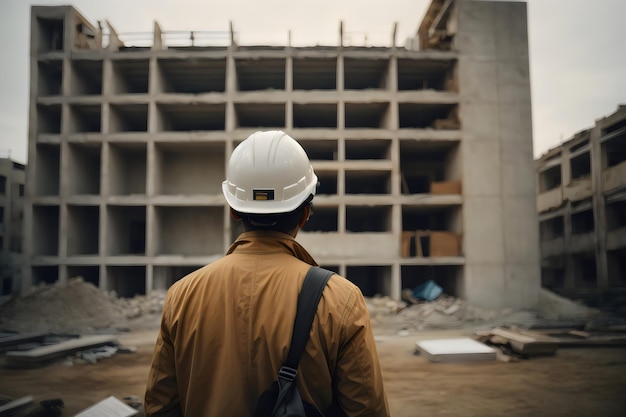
[[235, 216]]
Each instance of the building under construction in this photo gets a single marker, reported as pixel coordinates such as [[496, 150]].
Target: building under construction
[[582, 209], [424, 152], [12, 178]]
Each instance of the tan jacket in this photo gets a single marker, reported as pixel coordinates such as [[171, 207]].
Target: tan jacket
[[226, 330]]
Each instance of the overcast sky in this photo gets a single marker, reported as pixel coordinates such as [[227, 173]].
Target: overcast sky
[[577, 47]]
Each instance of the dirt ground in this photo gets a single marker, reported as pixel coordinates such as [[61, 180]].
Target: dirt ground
[[574, 382]]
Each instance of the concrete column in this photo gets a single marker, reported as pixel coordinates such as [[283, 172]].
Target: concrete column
[[566, 177], [597, 158], [502, 262]]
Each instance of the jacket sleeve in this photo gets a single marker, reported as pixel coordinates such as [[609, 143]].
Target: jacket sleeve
[[358, 382], [162, 398]]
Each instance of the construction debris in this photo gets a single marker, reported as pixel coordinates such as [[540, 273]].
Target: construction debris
[[43, 355], [524, 344], [11, 340], [26, 407], [75, 307], [11, 406]]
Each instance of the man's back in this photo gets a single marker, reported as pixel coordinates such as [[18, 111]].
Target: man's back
[[227, 328]]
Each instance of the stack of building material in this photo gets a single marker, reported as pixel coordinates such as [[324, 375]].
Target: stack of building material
[[520, 342], [43, 355]]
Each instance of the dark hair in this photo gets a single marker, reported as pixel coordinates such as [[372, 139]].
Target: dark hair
[[279, 222]]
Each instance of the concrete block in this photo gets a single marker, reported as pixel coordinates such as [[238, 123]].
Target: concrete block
[[456, 350]]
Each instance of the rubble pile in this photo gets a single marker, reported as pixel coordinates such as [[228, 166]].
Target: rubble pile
[[444, 312], [73, 307], [79, 307]]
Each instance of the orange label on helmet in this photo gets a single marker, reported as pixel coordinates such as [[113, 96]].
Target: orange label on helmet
[[263, 194]]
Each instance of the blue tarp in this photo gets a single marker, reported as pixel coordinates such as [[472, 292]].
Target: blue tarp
[[428, 291]]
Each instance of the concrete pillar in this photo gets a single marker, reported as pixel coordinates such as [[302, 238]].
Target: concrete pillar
[[599, 207], [501, 256]]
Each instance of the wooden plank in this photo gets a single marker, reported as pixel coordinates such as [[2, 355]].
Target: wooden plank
[[527, 344]]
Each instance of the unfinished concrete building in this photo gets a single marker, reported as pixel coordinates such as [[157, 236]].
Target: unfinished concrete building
[[424, 152], [582, 209], [12, 180]]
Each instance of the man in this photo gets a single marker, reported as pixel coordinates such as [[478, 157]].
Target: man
[[226, 328]]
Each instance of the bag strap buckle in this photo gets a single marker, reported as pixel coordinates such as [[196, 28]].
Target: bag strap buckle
[[286, 373]]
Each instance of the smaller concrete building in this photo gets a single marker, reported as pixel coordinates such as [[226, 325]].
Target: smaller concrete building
[[12, 177], [582, 208]]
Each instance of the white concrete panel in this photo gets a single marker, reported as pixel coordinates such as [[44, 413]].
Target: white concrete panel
[[521, 230], [456, 350], [481, 168], [484, 285], [483, 236]]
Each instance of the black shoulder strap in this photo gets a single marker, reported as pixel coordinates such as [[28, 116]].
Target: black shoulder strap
[[310, 294]]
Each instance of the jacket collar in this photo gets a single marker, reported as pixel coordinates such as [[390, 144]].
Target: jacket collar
[[268, 242]]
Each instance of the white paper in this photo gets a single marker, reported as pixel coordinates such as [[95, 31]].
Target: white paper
[[109, 407]]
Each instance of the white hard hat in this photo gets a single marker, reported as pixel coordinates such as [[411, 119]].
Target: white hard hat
[[268, 173]]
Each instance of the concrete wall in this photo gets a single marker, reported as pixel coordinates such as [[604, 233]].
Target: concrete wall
[[500, 221]]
